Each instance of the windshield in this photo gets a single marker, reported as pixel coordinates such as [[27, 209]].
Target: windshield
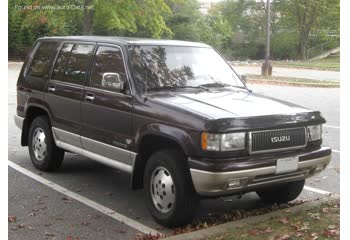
[[157, 67]]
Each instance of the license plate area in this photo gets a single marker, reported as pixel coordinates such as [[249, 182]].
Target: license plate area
[[285, 165]]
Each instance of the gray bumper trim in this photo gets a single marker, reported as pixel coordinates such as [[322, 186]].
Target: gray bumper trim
[[215, 183], [18, 121]]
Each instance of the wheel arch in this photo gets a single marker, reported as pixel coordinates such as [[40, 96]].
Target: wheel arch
[[152, 141], [32, 111]]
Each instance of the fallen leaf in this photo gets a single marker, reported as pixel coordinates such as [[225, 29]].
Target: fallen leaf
[[283, 237], [12, 219], [72, 238], [337, 169], [331, 227], [330, 232], [267, 230], [254, 232], [305, 226], [314, 235], [315, 216], [20, 225], [283, 220], [67, 200], [325, 210], [47, 234]]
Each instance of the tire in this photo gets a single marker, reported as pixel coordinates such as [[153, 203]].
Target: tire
[[180, 199], [44, 153], [282, 193]]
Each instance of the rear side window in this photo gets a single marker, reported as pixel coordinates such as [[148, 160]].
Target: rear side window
[[42, 61], [108, 69], [58, 71], [72, 63]]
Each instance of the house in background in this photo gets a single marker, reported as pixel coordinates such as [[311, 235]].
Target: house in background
[[206, 5]]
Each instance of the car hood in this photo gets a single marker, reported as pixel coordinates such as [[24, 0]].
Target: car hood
[[228, 103]]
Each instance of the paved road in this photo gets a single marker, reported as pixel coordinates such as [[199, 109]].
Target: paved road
[[48, 214], [292, 72]]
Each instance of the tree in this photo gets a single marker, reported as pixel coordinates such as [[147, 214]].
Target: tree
[[308, 15], [143, 17], [184, 20]]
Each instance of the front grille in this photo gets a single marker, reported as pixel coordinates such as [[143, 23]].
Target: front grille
[[275, 140]]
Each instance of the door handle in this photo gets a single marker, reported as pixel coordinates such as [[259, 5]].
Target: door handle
[[51, 89], [89, 97]]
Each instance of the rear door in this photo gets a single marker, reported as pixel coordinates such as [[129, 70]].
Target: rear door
[[107, 111], [65, 90]]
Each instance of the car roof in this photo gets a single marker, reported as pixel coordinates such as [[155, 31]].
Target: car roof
[[127, 41]]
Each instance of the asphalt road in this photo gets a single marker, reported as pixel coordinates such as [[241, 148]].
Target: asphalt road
[[44, 213], [292, 72]]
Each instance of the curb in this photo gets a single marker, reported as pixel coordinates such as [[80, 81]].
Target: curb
[[294, 84], [222, 228]]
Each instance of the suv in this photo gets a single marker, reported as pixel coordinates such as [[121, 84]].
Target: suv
[[173, 114]]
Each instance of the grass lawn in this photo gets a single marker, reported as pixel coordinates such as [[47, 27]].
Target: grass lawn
[[330, 63], [320, 222]]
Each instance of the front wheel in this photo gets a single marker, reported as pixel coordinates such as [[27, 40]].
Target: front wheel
[[282, 193], [170, 196]]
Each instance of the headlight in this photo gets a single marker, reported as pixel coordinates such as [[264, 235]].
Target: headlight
[[223, 142], [315, 132]]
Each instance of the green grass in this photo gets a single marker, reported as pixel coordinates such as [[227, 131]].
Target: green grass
[[320, 222], [330, 63]]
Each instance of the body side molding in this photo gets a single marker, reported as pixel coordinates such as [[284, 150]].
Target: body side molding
[[126, 157]]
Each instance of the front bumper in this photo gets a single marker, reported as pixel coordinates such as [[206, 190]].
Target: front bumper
[[18, 121], [216, 183]]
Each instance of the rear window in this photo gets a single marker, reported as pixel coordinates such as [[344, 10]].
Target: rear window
[[72, 63], [42, 61]]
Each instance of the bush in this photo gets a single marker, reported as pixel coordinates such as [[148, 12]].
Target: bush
[[284, 46]]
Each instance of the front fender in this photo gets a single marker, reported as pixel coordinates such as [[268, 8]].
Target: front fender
[[180, 136]]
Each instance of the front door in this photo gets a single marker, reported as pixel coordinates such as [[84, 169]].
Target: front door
[[107, 108]]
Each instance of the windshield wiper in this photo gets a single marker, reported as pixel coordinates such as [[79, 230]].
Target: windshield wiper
[[216, 84], [176, 87], [222, 85]]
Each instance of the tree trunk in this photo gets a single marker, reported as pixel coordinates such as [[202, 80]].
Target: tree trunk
[[303, 44], [88, 18]]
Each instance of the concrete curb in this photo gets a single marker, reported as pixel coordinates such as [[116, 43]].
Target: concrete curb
[[222, 228], [295, 84]]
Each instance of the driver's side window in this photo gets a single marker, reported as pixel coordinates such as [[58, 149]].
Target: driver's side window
[[108, 70]]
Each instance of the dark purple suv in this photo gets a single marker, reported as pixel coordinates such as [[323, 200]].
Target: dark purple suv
[[173, 114]]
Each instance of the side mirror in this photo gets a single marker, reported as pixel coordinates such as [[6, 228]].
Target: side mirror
[[243, 77], [111, 80]]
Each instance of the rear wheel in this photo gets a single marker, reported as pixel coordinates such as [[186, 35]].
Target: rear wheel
[[44, 153], [170, 196], [282, 193]]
